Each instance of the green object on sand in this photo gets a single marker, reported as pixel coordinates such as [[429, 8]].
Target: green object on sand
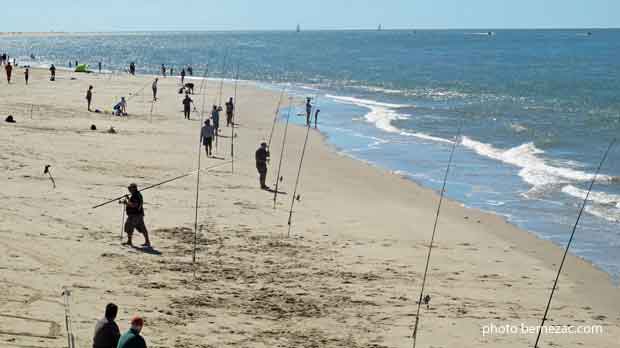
[[81, 68]]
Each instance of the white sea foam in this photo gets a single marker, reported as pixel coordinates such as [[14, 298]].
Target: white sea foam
[[383, 114], [595, 196], [534, 170]]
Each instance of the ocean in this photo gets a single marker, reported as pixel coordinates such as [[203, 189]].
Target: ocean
[[536, 108]]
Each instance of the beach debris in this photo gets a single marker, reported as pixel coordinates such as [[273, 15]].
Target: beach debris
[[93, 127], [112, 130], [570, 240], [9, 119], [427, 300], [47, 171]]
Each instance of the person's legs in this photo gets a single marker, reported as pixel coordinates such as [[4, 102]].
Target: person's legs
[[129, 230], [141, 227], [209, 145]]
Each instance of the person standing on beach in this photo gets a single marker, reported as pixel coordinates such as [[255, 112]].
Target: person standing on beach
[[171, 72], [89, 96], [190, 71], [262, 157], [132, 338], [230, 109], [9, 70], [99, 64], [308, 111], [154, 86], [107, 333], [182, 76], [215, 117], [26, 75], [316, 117], [52, 73], [206, 136], [187, 106], [163, 70], [135, 216]]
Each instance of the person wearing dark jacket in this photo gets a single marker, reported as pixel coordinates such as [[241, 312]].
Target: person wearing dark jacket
[[107, 333], [262, 157], [132, 338]]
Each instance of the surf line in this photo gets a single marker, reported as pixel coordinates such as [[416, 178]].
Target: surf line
[[297, 197], [426, 298], [278, 177], [570, 240]]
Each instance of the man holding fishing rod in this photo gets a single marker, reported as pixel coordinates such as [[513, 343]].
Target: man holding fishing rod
[[135, 216]]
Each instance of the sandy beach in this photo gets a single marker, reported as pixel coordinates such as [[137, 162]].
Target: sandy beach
[[348, 276]]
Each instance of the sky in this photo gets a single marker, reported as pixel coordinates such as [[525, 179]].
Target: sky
[[128, 15]]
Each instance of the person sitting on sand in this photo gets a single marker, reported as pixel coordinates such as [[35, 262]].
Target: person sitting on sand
[[9, 70], [206, 135], [132, 338], [52, 73], [107, 333], [120, 109], [135, 216], [262, 157], [89, 96]]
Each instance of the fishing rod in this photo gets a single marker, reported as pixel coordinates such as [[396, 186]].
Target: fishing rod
[[232, 124], [570, 240], [278, 178], [159, 184], [224, 66], [136, 93], [275, 117], [66, 293], [301, 161], [422, 298], [202, 113]]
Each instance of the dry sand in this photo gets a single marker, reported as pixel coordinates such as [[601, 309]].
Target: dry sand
[[349, 275]]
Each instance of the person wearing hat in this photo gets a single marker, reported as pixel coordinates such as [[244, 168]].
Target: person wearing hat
[[262, 157], [206, 136], [132, 338], [107, 333], [135, 216]]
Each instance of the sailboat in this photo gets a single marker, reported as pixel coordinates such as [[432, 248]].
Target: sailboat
[[380, 28], [298, 28]]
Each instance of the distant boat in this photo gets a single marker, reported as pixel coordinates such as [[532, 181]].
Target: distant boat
[[379, 28], [298, 28]]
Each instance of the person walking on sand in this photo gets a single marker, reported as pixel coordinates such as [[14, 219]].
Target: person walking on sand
[[52, 73], [187, 106], [9, 70], [135, 216], [182, 76], [230, 109], [308, 111], [206, 136], [132, 338], [262, 157], [107, 333], [89, 96], [27, 75], [154, 86]]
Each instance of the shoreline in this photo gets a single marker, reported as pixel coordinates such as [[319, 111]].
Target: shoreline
[[355, 218]]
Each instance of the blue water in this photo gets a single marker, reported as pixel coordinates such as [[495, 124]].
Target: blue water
[[537, 108]]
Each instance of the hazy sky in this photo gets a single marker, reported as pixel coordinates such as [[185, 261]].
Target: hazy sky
[[112, 15]]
